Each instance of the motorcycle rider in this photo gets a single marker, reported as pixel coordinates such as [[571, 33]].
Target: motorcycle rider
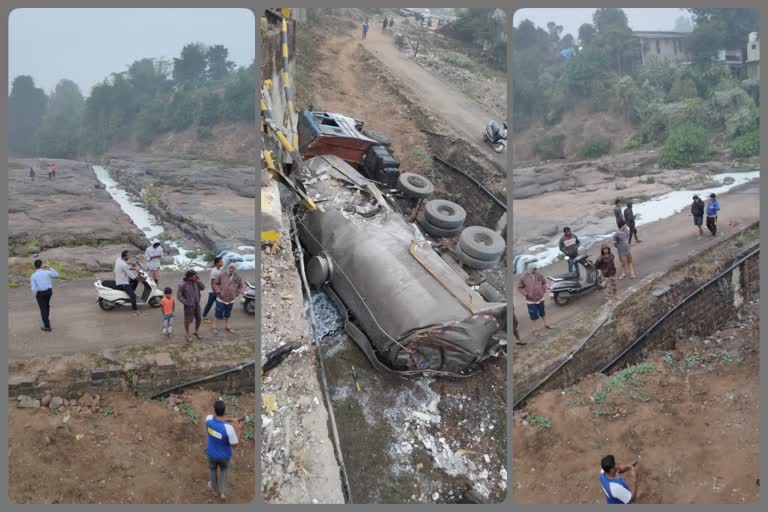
[[126, 279]]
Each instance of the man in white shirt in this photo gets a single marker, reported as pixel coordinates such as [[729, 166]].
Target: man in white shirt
[[218, 263], [154, 257], [126, 279]]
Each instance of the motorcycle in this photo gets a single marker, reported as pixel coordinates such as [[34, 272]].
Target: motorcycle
[[109, 296], [249, 299], [567, 285], [496, 135]]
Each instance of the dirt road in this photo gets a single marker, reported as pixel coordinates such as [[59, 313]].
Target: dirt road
[[663, 244], [347, 90], [80, 325]]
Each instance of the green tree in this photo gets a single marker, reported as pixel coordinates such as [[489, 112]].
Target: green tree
[[26, 108], [148, 77], [190, 67], [210, 110], [614, 38], [59, 135], [587, 34], [683, 24], [218, 65]]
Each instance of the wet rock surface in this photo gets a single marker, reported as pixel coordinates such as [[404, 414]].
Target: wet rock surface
[[66, 211], [211, 202]]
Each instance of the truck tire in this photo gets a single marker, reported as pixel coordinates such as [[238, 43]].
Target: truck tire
[[444, 214], [414, 186], [378, 136], [435, 231], [474, 263], [481, 243]]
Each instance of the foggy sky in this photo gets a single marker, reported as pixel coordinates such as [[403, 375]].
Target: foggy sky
[[572, 19], [86, 45]]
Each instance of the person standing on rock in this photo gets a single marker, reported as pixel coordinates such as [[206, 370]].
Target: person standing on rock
[[32, 173], [391, 23], [386, 24], [154, 257], [713, 208], [606, 265], [621, 242], [125, 279], [228, 286], [617, 213], [569, 246], [365, 28], [616, 490], [221, 434], [218, 262], [189, 295], [629, 218], [697, 210], [533, 286], [42, 289], [52, 171]]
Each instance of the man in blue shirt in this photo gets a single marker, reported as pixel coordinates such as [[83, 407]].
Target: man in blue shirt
[[365, 28], [713, 207], [42, 289], [616, 490], [222, 436]]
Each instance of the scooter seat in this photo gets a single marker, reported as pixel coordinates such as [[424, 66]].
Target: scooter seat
[[567, 276], [109, 283]]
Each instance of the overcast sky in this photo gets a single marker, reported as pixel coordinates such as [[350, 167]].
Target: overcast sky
[[86, 45], [572, 19]]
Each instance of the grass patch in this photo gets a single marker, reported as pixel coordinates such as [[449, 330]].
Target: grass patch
[[626, 382], [65, 272], [540, 422], [619, 381], [190, 416], [421, 155]]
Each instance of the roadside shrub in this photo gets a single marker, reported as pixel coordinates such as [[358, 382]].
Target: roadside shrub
[[550, 147], [685, 145], [746, 145], [595, 149], [204, 133]]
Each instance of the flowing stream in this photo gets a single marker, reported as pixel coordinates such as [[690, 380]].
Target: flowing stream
[[146, 222], [653, 210]]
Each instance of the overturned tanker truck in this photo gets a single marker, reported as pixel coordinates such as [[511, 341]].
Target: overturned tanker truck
[[406, 306]]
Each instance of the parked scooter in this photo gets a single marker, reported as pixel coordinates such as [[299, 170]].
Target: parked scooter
[[496, 135], [110, 296], [567, 285], [249, 298]]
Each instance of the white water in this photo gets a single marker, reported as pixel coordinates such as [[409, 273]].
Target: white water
[[147, 222], [653, 210]]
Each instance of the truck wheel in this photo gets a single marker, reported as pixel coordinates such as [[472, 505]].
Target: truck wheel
[[482, 243], [433, 230], [475, 263], [414, 186], [444, 214], [378, 136]]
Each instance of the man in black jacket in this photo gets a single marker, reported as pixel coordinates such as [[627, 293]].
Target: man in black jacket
[[697, 210], [629, 219], [569, 246]]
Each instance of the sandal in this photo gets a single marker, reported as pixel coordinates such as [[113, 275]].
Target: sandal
[[188, 339], [214, 331], [231, 331], [196, 335]]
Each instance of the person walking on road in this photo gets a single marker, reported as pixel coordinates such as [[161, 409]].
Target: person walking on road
[[533, 286], [42, 289], [168, 305], [617, 213], [606, 265], [616, 490], [222, 435], [386, 24], [697, 210], [365, 28], [126, 279], [189, 295], [228, 286], [154, 257], [218, 262], [621, 242], [629, 218], [713, 208], [569, 246], [32, 173]]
